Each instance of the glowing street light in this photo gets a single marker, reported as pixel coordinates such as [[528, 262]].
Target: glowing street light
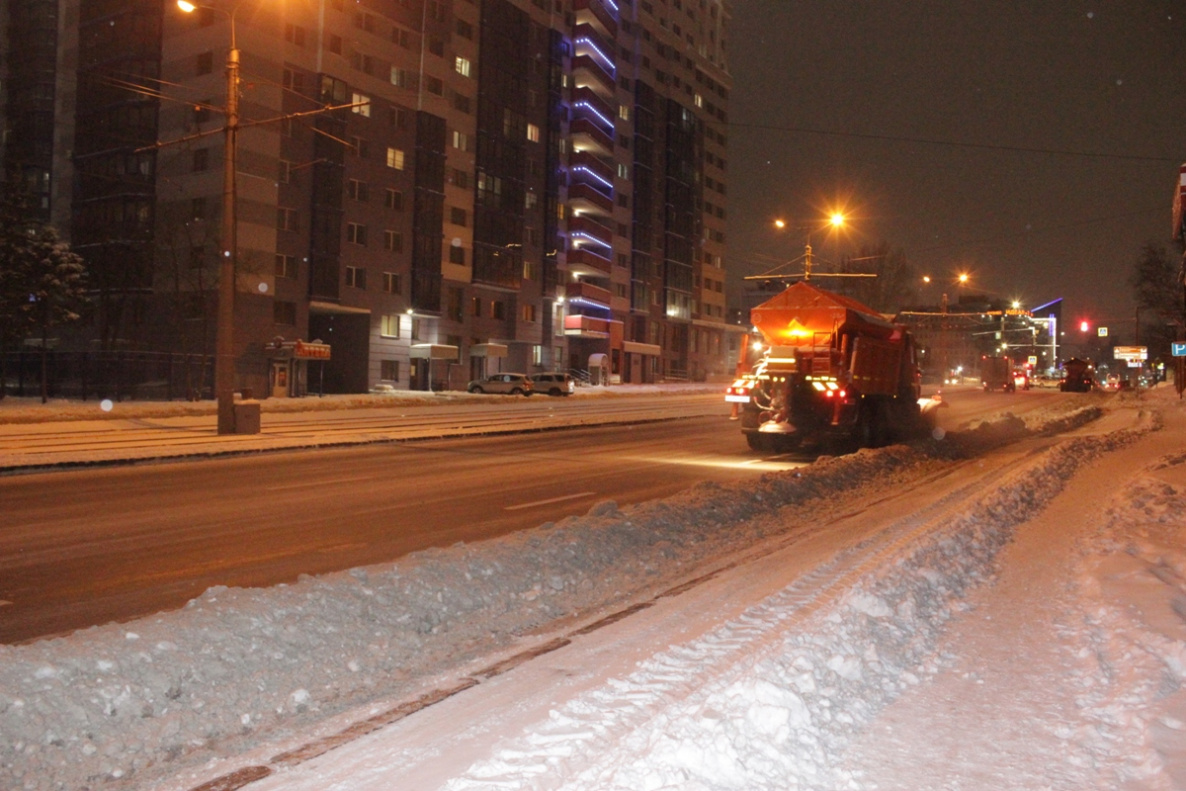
[[224, 360]]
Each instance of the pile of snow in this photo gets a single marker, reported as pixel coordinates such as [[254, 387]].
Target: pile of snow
[[781, 708], [118, 705], [17, 409], [1134, 579]]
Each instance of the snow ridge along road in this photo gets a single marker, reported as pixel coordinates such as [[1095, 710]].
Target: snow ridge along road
[[807, 615], [671, 719]]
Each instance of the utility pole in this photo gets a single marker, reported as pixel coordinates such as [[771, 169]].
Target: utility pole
[[224, 363]]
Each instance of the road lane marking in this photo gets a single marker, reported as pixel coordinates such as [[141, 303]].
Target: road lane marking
[[315, 482], [5, 603], [548, 502]]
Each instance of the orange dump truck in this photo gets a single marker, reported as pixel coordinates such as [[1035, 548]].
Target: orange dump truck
[[832, 369]]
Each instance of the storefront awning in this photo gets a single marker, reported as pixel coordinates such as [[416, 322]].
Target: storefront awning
[[488, 350], [634, 347], [434, 351], [300, 350]]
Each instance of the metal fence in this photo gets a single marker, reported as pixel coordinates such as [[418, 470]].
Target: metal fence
[[118, 375]]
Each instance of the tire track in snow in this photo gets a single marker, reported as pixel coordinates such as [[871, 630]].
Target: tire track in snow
[[592, 724]]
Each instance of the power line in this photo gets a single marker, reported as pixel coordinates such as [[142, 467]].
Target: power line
[[955, 143]]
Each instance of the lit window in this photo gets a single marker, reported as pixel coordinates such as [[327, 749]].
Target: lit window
[[533, 133], [389, 325], [462, 66], [395, 158], [362, 105]]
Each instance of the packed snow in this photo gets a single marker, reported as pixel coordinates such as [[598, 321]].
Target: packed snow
[[981, 643]]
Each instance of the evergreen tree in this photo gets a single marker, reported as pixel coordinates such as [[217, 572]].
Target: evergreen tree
[[42, 283]]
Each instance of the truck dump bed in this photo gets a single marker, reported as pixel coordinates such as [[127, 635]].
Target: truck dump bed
[[798, 314]]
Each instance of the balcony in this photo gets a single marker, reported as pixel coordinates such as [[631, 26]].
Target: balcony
[[604, 17], [581, 292], [584, 261], [586, 326], [589, 169], [586, 198], [589, 73], [587, 41], [587, 104], [588, 136], [586, 227]]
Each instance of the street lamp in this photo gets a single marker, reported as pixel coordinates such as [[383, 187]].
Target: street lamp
[[836, 221], [224, 361]]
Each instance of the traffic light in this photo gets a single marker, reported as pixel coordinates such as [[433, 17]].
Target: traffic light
[[1084, 326]]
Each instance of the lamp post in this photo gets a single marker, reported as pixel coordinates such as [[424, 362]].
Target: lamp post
[[224, 361], [836, 221]]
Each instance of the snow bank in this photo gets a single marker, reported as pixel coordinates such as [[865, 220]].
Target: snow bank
[[1134, 585], [114, 706], [804, 679]]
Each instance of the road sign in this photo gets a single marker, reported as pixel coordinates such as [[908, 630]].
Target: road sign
[[1130, 353], [1102, 332], [1179, 349]]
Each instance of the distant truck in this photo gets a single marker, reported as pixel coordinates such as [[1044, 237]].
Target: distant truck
[[996, 373], [832, 369], [1079, 376]]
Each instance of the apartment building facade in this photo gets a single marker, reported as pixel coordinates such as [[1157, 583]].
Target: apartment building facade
[[431, 189]]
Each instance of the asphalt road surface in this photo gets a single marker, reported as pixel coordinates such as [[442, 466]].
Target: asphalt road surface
[[87, 546]]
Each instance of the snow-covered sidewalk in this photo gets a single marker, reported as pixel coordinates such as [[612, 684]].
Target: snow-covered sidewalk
[[768, 636]]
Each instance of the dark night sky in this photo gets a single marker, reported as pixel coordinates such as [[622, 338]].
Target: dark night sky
[[954, 130]]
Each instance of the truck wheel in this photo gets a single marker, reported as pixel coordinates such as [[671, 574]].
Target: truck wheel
[[871, 426], [786, 443], [757, 442]]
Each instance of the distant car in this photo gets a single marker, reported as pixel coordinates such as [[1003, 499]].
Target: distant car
[[507, 384], [554, 384]]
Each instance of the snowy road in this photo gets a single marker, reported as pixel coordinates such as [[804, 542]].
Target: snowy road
[[1005, 616]]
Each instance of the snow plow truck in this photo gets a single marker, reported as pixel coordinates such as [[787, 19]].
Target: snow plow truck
[[831, 369]]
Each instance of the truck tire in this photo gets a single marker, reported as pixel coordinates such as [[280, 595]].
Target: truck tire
[[785, 443], [871, 426], [758, 442]]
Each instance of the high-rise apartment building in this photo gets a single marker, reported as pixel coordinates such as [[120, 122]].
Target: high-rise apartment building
[[434, 189]]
